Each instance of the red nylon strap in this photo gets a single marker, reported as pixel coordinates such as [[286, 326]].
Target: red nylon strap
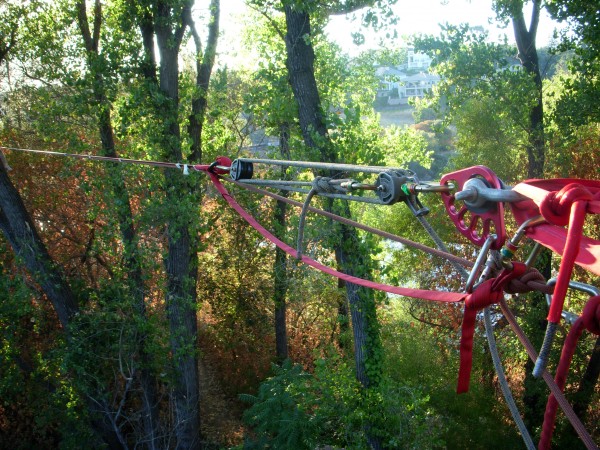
[[589, 320], [567, 205], [437, 296], [555, 200], [488, 293], [571, 249], [556, 391]]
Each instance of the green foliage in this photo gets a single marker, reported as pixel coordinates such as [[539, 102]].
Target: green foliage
[[294, 410], [488, 137], [422, 351], [38, 407], [382, 57], [482, 92], [276, 411]]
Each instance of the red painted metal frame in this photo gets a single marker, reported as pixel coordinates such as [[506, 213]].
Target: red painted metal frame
[[467, 222]]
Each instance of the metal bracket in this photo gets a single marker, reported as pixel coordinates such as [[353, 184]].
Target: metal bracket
[[476, 217]]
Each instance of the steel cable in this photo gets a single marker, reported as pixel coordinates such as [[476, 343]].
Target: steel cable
[[489, 333]]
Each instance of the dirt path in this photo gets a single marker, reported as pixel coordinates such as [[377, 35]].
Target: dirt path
[[221, 424]]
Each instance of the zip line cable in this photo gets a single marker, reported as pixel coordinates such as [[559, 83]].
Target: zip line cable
[[483, 195], [95, 157]]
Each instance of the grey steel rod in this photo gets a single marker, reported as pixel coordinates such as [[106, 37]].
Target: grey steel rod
[[354, 198], [321, 165]]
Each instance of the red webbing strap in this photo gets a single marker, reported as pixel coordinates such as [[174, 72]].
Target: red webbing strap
[[486, 294], [556, 391], [437, 296], [432, 251], [566, 206], [589, 320], [569, 205], [554, 199]]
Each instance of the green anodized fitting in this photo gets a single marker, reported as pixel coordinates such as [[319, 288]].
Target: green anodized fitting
[[506, 253], [405, 189]]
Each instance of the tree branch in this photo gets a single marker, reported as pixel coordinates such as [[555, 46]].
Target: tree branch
[[276, 27], [535, 18], [84, 26]]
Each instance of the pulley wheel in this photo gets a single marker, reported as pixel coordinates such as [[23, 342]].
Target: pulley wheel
[[389, 187], [241, 170]]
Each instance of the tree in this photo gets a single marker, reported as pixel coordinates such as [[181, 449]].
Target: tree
[[167, 22], [582, 89], [525, 37], [95, 65], [478, 81], [98, 64]]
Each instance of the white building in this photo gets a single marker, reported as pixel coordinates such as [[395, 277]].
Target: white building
[[416, 60], [399, 84]]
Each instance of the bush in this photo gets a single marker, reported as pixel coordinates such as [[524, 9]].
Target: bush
[[298, 410]]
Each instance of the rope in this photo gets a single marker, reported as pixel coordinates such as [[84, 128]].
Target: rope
[[440, 244], [544, 356], [531, 280], [504, 387]]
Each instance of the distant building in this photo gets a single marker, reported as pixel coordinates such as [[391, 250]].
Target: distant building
[[396, 87], [400, 83], [416, 60]]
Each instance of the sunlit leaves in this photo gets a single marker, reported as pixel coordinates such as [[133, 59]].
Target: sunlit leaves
[[485, 94]]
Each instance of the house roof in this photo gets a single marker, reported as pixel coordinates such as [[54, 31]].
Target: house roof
[[421, 76]]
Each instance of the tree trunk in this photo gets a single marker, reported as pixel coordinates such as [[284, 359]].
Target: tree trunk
[[205, 61], [27, 245], [300, 64], [181, 262], [280, 272], [528, 56]]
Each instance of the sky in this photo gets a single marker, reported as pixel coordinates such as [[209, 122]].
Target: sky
[[425, 16], [414, 17]]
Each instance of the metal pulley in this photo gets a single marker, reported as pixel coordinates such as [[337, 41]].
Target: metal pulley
[[241, 170], [392, 187], [389, 186]]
